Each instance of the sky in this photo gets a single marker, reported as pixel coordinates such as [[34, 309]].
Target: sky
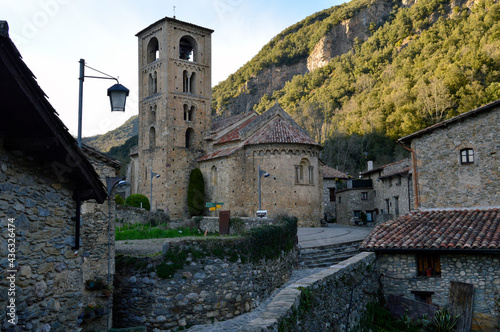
[[53, 35]]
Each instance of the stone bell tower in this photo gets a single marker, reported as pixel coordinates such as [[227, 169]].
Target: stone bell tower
[[174, 110]]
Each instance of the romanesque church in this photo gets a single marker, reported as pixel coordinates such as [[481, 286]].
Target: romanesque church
[[177, 134]]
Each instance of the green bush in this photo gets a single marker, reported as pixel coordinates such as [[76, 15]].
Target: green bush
[[136, 200], [196, 193], [119, 200]]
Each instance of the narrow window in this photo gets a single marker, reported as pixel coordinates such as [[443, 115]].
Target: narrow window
[[364, 196], [467, 156], [155, 83], [332, 194], [152, 138], [192, 83], [214, 176], [311, 174], [428, 265], [185, 81], [297, 174], [186, 113], [387, 206], [150, 85], [189, 137], [340, 199], [191, 113]]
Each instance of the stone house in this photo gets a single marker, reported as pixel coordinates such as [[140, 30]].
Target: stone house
[[177, 134], [380, 194], [332, 179], [449, 246], [45, 248]]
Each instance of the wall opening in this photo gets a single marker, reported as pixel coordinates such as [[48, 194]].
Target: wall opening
[[188, 49], [189, 137], [152, 138], [153, 50]]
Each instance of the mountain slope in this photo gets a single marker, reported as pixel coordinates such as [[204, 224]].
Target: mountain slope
[[428, 61], [114, 137]]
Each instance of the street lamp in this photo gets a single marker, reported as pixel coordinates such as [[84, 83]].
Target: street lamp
[[117, 95], [111, 184], [261, 172], [153, 175]]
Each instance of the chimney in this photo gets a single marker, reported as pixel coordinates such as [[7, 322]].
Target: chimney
[[370, 165]]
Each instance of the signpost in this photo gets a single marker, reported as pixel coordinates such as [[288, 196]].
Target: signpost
[[214, 206]]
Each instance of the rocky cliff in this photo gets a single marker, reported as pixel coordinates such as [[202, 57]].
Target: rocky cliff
[[338, 40]]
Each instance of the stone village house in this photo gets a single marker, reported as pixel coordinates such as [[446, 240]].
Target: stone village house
[[332, 179], [43, 173], [380, 194], [447, 251], [177, 134]]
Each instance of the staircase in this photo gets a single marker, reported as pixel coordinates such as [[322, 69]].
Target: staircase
[[325, 256]]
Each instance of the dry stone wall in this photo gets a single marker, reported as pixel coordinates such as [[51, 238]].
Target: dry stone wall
[[207, 290]]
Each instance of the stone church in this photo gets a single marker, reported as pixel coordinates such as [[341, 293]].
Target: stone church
[[177, 134]]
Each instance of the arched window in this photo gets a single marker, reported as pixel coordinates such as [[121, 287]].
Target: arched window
[[188, 49], [213, 176], [189, 137], [150, 85], [186, 112], [185, 81], [152, 113], [191, 113], [467, 156], [152, 138], [192, 83], [153, 50], [155, 82], [304, 172]]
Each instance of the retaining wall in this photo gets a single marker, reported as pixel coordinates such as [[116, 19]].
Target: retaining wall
[[206, 290], [333, 299]]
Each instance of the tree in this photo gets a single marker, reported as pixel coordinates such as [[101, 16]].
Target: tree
[[138, 200], [196, 193]]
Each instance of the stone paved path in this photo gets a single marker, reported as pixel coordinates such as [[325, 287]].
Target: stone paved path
[[241, 321]]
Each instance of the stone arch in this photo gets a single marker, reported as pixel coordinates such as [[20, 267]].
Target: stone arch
[[152, 113], [152, 138], [188, 49], [153, 52], [189, 137]]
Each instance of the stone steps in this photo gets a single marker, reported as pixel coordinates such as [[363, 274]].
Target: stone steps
[[328, 255]]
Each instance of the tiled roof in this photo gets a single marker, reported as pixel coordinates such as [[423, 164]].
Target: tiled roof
[[280, 131], [332, 173], [234, 134], [219, 153], [224, 123], [438, 229]]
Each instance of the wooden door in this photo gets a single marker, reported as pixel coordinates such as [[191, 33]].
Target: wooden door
[[461, 300]]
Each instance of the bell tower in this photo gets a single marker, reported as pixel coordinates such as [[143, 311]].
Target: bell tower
[[175, 94]]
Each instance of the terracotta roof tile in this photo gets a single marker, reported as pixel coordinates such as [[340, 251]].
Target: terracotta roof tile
[[332, 173], [224, 123], [219, 153], [438, 229], [280, 131], [234, 134]]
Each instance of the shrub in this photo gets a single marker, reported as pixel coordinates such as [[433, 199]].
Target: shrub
[[136, 200], [119, 200], [196, 193]]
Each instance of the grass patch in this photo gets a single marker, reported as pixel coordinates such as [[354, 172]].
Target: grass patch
[[147, 231]]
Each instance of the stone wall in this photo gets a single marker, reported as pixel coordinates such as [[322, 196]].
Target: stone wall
[[329, 208], [202, 292], [49, 285], [133, 215], [479, 270], [443, 182], [237, 182], [236, 225], [331, 300]]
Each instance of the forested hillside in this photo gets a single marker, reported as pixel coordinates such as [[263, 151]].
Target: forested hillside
[[116, 137], [429, 61]]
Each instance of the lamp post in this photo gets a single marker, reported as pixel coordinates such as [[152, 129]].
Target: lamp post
[[153, 175], [111, 184], [117, 95], [261, 172]]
